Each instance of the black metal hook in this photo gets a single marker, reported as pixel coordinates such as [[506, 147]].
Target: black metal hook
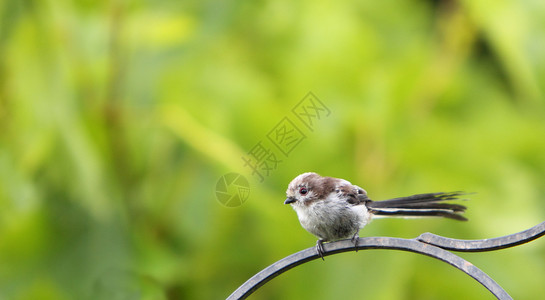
[[427, 244]]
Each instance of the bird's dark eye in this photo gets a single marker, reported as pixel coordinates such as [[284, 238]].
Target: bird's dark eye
[[303, 191]]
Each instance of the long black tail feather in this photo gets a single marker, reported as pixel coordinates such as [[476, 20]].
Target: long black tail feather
[[421, 205]]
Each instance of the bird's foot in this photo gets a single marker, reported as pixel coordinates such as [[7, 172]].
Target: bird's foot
[[356, 240], [320, 248]]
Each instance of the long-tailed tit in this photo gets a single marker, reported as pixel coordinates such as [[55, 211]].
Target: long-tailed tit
[[334, 209]]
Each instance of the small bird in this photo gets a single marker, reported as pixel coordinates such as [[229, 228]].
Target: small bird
[[334, 209]]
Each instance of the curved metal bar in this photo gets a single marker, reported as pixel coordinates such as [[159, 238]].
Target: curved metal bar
[[485, 244], [411, 245]]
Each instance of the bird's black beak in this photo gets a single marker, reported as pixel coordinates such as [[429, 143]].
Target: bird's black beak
[[290, 200]]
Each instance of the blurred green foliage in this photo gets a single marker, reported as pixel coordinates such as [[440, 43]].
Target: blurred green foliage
[[117, 118]]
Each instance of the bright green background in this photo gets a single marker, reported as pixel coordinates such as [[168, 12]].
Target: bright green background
[[117, 118]]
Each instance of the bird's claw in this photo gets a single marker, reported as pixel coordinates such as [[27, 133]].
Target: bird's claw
[[356, 240], [320, 248]]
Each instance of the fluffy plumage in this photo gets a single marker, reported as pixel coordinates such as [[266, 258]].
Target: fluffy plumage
[[334, 209]]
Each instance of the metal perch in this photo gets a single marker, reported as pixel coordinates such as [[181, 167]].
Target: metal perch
[[427, 244]]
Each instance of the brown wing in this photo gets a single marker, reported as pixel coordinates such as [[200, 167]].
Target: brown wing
[[353, 194]]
